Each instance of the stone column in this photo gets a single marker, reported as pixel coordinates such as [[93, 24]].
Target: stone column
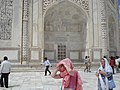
[[25, 33], [103, 27]]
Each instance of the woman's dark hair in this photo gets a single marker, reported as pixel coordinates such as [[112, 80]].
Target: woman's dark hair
[[5, 58]]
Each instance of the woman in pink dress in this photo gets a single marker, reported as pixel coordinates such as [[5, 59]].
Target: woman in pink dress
[[71, 79]]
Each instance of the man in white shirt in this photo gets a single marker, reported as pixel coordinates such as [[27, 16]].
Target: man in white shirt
[[5, 71], [47, 65]]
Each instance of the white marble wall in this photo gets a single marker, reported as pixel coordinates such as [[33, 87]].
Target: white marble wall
[[94, 44]]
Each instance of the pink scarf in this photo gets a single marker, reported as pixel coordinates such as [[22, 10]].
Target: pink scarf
[[71, 78]]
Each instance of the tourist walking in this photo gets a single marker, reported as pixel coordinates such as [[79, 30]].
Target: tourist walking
[[105, 76], [5, 71], [71, 79], [47, 65]]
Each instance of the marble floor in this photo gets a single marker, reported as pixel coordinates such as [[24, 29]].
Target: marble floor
[[35, 80]]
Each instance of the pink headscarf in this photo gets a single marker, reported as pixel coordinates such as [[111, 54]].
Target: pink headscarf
[[70, 75], [67, 63]]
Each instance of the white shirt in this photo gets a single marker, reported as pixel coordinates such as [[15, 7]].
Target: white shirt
[[47, 63], [5, 67], [117, 61]]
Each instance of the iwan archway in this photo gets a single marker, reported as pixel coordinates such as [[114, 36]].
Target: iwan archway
[[65, 31]]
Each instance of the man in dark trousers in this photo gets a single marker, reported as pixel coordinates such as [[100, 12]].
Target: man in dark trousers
[[47, 65], [5, 71]]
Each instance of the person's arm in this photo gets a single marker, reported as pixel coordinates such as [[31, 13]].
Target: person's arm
[[10, 68], [1, 67], [97, 74], [55, 75], [103, 73]]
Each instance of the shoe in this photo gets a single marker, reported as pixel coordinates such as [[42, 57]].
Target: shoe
[[2, 86]]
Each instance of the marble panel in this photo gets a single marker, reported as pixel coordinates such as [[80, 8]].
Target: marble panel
[[74, 55], [34, 55], [11, 54]]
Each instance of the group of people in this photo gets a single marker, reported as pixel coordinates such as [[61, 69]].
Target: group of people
[[71, 78]]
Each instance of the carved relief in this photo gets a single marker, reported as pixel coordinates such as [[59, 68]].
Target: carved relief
[[6, 14], [25, 36], [103, 20], [83, 3]]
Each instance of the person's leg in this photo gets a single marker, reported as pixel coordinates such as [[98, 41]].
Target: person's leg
[[46, 70], [6, 80], [117, 67], [2, 84], [113, 69], [85, 67]]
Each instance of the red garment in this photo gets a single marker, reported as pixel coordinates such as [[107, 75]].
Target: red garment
[[71, 78], [112, 62]]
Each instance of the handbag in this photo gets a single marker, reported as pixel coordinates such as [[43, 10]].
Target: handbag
[[111, 84]]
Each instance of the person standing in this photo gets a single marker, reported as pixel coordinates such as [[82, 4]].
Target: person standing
[[47, 65], [112, 63], [105, 76], [71, 78], [5, 71], [86, 63]]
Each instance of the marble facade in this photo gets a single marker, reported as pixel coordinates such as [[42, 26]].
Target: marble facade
[[32, 29]]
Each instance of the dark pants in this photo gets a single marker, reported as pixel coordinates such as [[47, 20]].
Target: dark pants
[[5, 77], [47, 69], [113, 69], [110, 89]]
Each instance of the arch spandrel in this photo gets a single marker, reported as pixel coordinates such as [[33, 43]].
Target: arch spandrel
[[83, 4]]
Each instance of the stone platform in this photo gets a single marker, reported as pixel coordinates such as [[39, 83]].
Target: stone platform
[[35, 80]]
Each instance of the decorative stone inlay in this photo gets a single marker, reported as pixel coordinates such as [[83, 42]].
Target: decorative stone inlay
[[113, 1], [83, 3], [103, 26], [25, 36], [6, 14], [103, 20]]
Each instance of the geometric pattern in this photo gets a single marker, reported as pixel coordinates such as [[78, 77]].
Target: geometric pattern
[[6, 15], [83, 3]]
